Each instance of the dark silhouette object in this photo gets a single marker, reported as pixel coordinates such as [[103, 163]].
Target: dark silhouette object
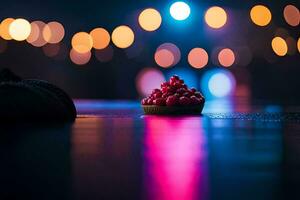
[[33, 100]]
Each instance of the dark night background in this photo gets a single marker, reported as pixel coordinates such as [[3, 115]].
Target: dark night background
[[274, 78]]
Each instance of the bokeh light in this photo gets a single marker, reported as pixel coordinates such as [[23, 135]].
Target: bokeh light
[[215, 17], [173, 49], [164, 58], [51, 50], [180, 10], [34, 33], [80, 58], [226, 57], [101, 38], [20, 29], [148, 79], [104, 55], [218, 83], [198, 58], [260, 15], [279, 46], [82, 42], [53, 32], [36, 38], [150, 19], [298, 44], [5, 28], [291, 15], [123, 36]]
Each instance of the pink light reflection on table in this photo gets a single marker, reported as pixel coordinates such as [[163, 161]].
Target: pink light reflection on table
[[175, 159]]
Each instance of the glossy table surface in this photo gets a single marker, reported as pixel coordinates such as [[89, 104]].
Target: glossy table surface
[[235, 150]]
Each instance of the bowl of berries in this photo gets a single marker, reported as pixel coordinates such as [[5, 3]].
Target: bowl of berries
[[174, 98]]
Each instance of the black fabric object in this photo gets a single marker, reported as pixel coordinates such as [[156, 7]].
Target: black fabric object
[[33, 100]]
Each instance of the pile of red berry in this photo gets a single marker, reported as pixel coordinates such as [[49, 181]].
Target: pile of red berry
[[174, 93]]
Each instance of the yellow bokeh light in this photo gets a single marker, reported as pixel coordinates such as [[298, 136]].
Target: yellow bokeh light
[[215, 17], [101, 38], [122, 36], [19, 29], [279, 46], [260, 15], [5, 28], [53, 32], [150, 19], [82, 42]]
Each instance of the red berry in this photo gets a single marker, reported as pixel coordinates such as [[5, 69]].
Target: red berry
[[184, 101], [193, 90], [195, 100], [198, 94], [184, 86], [186, 94], [159, 102], [171, 100], [181, 81], [180, 91], [164, 84], [144, 101], [157, 95], [150, 101], [155, 91]]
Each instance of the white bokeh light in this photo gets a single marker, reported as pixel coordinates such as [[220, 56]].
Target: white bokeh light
[[180, 10], [220, 85]]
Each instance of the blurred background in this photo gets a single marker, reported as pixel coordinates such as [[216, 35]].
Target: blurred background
[[123, 49]]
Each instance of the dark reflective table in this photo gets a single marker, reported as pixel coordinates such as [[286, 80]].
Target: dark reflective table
[[235, 150]]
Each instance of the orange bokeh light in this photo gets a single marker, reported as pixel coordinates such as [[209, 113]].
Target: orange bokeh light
[[101, 38], [260, 15], [215, 17], [279, 46], [36, 36], [291, 15], [123, 36], [164, 58], [82, 42], [198, 58], [150, 19], [5, 28], [226, 57], [80, 58], [53, 32]]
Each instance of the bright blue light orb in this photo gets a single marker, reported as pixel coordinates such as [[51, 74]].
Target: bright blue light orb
[[219, 85], [180, 10]]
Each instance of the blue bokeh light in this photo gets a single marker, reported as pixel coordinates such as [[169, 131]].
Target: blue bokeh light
[[218, 83], [180, 10]]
